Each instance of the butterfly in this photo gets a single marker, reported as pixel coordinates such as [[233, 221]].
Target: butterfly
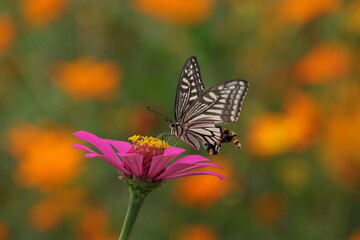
[[197, 112]]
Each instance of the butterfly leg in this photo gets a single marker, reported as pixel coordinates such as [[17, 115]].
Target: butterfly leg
[[171, 136], [164, 134], [177, 140]]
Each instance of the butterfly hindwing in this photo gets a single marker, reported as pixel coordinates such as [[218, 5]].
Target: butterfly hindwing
[[191, 140], [212, 136], [190, 87], [218, 105], [208, 135]]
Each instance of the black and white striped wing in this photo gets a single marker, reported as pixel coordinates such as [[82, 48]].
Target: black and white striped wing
[[218, 105], [208, 134], [190, 87], [192, 139]]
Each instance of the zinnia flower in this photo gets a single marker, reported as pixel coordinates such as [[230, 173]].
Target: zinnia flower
[[144, 164], [147, 159]]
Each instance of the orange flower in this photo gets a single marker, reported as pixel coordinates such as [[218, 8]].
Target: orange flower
[[39, 13], [7, 33], [268, 134], [323, 63], [302, 114], [94, 225], [303, 11], [85, 79], [269, 208], [354, 236], [4, 231], [45, 157], [352, 19], [197, 232], [277, 133], [48, 213], [203, 191], [181, 12], [341, 139]]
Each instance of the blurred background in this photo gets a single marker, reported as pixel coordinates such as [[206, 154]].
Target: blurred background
[[96, 66]]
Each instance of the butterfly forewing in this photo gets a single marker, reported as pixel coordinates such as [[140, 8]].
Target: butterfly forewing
[[219, 105], [190, 87]]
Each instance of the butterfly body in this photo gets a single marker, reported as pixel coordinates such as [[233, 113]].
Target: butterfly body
[[197, 112]]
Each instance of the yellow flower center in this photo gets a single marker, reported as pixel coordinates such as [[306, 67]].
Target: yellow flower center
[[148, 146]]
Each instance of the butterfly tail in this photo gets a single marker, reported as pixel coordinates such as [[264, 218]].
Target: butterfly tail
[[212, 149], [229, 136], [226, 137], [236, 142]]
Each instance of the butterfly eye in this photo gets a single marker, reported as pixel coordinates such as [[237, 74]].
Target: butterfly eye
[[172, 125]]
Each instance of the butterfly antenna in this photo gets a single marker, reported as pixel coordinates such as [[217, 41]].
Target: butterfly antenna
[[161, 114]]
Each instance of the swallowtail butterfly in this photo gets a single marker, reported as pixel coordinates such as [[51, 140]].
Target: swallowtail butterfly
[[197, 112]]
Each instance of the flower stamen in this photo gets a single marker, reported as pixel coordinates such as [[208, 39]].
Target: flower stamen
[[147, 146]]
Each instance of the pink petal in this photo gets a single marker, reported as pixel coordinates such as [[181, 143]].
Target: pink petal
[[134, 161], [120, 146], [196, 173], [92, 155], [198, 165], [181, 167], [158, 163], [116, 163], [173, 151], [192, 159], [99, 143], [189, 159], [171, 171], [82, 147]]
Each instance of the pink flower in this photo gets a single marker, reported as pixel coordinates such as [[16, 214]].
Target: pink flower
[[147, 159]]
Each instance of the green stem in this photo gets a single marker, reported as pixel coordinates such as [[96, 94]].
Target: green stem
[[135, 203]]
